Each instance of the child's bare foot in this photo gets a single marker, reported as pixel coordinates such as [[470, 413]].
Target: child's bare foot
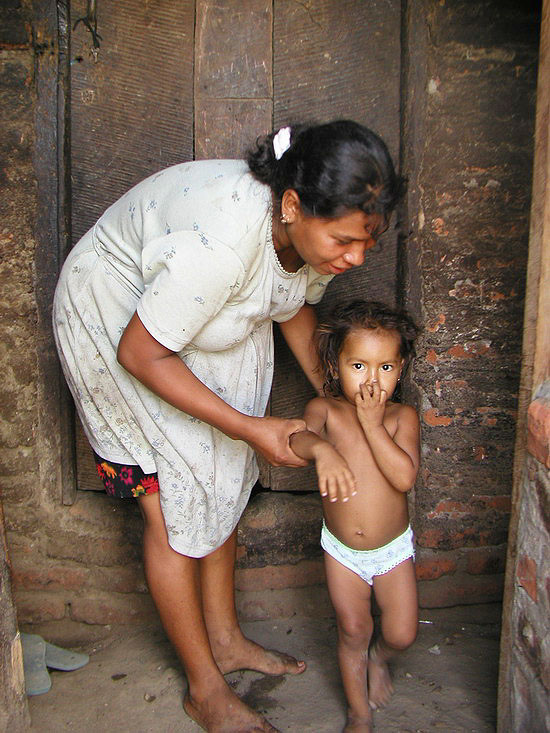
[[241, 653], [358, 723], [379, 680], [223, 712]]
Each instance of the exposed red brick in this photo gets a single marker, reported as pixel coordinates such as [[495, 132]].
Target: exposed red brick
[[34, 608], [112, 609], [92, 550], [459, 590], [430, 537], [449, 539], [438, 226], [501, 502], [469, 350], [433, 418], [538, 430], [431, 357], [436, 323], [284, 604], [485, 561], [480, 453], [431, 566], [452, 508], [306, 573], [527, 575], [127, 579], [49, 578], [460, 352]]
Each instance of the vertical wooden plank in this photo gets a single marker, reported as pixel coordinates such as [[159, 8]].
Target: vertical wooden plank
[[14, 711], [131, 102], [336, 60], [233, 76], [131, 115], [233, 83]]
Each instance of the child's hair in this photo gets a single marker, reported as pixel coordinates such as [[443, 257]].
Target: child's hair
[[334, 168], [359, 314]]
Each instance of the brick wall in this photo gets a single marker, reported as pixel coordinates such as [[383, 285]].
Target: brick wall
[[528, 706], [469, 118]]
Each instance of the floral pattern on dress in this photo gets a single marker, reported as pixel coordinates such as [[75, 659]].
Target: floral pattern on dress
[[207, 289]]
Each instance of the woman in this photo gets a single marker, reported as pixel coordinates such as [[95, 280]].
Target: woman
[[163, 320]]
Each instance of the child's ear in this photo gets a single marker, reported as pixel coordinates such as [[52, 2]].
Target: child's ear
[[401, 368]]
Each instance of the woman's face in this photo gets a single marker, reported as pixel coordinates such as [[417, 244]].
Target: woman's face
[[331, 246]]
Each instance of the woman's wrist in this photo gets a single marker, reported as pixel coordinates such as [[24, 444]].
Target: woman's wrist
[[242, 426]]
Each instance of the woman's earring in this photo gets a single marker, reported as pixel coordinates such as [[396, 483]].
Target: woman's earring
[[284, 219]]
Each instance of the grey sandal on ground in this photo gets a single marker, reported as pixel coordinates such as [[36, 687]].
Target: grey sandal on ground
[[38, 655], [37, 678], [63, 659]]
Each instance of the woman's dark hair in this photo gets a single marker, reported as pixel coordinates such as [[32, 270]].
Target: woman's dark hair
[[359, 314], [334, 168]]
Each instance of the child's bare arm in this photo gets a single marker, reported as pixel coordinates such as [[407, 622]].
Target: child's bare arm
[[336, 481], [397, 457]]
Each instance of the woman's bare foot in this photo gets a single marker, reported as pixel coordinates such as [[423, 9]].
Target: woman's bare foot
[[379, 680], [223, 712], [241, 653], [358, 724]]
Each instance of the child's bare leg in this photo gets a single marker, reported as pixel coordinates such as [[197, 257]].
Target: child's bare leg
[[351, 598], [396, 596]]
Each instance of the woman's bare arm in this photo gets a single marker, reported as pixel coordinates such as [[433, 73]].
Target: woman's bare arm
[[298, 333], [164, 373]]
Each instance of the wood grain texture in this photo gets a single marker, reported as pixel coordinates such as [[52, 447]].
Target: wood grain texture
[[132, 109], [225, 128], [131, 115], [233, 76], [336, 60], [87, 477], [233, 49]]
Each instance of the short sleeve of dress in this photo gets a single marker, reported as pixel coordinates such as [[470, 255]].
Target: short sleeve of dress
[[188, 279], [316, 286]]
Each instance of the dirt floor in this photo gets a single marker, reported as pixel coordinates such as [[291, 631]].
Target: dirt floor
[[445, 682]]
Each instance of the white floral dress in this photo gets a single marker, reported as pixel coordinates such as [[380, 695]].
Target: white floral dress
[[190, 249]]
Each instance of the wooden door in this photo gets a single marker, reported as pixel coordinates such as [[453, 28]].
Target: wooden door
[[177, 81]]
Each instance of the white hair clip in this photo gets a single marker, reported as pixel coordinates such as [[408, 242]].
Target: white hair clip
[[281, 142]]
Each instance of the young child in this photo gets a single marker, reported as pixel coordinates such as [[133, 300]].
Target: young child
[[366, 453]]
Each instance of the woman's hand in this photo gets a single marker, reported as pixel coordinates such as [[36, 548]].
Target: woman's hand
[[270, 436]]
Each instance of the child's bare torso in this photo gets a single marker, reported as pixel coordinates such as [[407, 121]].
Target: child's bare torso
[[378, 512]]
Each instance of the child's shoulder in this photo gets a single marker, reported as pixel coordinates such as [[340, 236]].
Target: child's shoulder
[[323, 402], [404, 413], [322, 407], [317, 403]]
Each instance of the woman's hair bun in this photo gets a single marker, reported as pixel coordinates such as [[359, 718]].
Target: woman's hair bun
[[333, 167]]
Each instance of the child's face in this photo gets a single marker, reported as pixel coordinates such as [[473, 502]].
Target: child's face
[[367, 355]]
